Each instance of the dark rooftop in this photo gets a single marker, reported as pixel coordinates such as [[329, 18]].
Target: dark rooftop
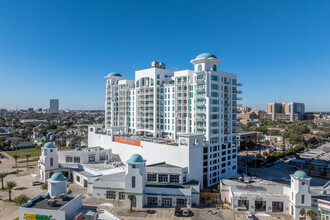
[[42, 203], [162, 164]]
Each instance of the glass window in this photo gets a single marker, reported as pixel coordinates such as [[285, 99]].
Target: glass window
[[91, 158], [199, 67], [163, 178], [151, 177], [174, 178], [68, 159], [103, 157], [111, 194], [181, 202], [215, 78], [121, 195], [76, 159], [214, 67], [133, 181], [152, 201]]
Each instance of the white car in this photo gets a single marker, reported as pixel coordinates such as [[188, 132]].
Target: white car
[[36, 183], [249, 216]]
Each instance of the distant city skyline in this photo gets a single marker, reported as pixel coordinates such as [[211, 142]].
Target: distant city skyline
[[280, 49]]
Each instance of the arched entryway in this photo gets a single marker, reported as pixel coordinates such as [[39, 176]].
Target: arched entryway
[[302, 213]]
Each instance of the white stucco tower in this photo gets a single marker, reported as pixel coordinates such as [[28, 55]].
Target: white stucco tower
[[135, 180], [48, 162], [300, 196], [57, 185]]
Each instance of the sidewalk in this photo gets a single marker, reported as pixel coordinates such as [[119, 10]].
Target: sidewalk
[[7, 155]]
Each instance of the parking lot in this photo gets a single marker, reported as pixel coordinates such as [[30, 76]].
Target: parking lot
[[267, 216], [24, 181]]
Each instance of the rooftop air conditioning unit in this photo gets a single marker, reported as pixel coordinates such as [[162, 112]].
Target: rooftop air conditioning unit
[[162, 65], [155, 64], [51, 202], [91, 215]]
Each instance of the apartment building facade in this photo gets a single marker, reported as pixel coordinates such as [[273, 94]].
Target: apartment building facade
[[286, 110], [162, 103]]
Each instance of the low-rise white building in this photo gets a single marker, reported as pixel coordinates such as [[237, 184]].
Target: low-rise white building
[[157, 184], [266, 196]]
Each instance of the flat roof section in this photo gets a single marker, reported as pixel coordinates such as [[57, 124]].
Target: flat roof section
[[42, 203]]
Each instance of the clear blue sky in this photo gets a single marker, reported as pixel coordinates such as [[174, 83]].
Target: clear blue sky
[[63, 49]]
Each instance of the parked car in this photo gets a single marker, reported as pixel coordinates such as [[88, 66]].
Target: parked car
[[269, 164], [185, 212], [178, 211], [249, 216], [36, 183]]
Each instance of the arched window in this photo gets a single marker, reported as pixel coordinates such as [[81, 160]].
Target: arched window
[[214, 67], [199, 67]]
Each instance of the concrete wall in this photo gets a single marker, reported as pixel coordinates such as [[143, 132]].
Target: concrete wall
[[72, 207], [182, 156], [56, 214], [82, 154]]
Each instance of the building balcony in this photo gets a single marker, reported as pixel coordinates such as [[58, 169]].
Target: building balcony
[[200, 80], [226, 83], [237, 98], [237, 84], [237, 92]]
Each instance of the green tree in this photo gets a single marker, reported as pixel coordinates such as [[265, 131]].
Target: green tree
[[260, 137], [131, 198], [44, 186], [2, 176], [21, 199], [266, 142], [10, 185], [311, 213], [27, 159]]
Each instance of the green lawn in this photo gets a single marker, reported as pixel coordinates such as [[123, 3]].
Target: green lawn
[[23, 152]]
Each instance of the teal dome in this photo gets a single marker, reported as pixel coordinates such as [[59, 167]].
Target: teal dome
[[114, 74], [135, 158], [205, 55], [300, 174], [58, 177], [49, 145]]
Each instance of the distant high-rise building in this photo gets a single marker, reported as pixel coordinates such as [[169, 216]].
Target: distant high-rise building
[[53, 105], [30, 110], [286, 110]]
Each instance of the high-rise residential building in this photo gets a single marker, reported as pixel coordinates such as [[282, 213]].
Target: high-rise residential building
[[53, 105], [286, 110], [165, 104]]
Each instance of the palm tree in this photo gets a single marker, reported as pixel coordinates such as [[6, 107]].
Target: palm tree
[[21, 199], [312, 214], [38, 150], [10, 185], [2, 176], [131, 198], [27, 159], [16, 157], [16, 142], [44, 186]]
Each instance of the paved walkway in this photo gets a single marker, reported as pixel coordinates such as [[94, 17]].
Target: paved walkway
[[7, 155]]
